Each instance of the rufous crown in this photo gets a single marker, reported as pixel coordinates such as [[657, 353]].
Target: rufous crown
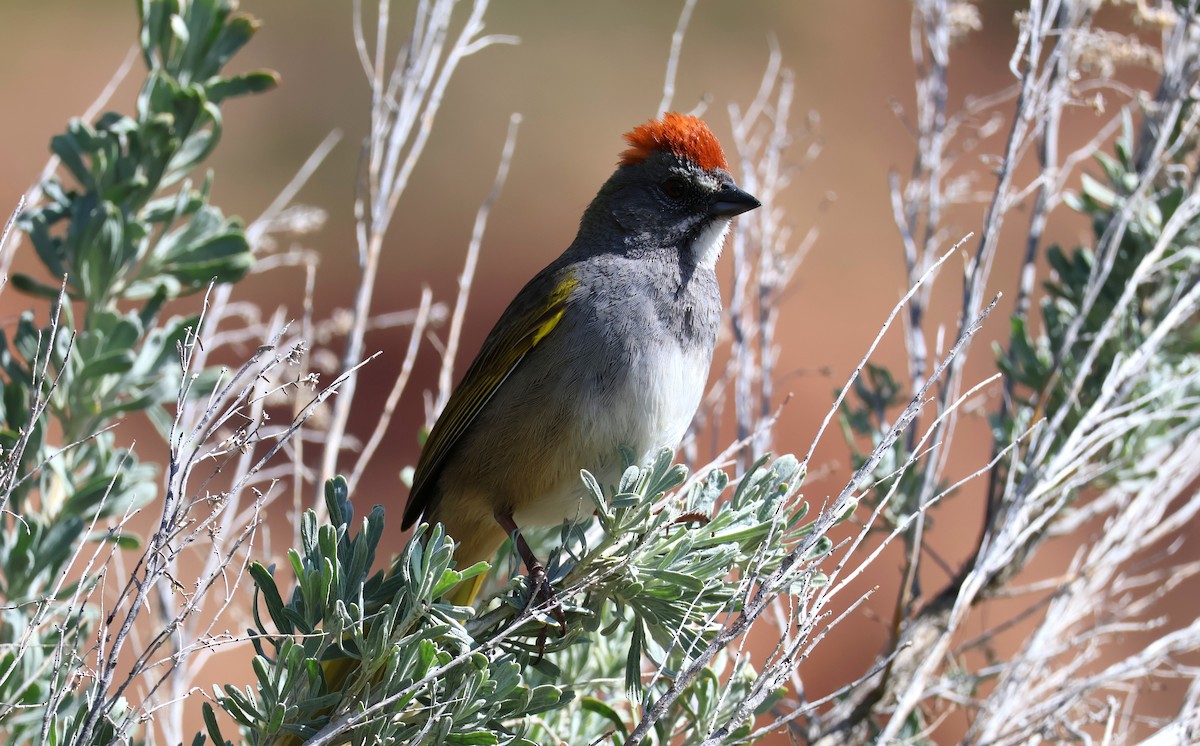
[[681, 134]]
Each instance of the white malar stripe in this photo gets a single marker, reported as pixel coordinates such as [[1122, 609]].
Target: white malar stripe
[[707, 246]]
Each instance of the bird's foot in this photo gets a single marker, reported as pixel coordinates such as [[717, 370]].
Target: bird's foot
[[543, 596], [541, 592]]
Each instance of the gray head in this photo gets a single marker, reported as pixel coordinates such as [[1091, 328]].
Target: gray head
[[672, 191]]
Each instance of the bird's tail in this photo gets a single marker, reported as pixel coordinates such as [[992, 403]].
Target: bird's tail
[[476, 541]]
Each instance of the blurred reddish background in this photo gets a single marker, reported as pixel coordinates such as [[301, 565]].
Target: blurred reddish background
[[583, 74]]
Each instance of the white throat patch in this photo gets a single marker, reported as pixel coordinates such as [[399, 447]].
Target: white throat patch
[[707, 246]]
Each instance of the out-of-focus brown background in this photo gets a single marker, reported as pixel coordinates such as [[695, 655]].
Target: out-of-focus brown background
[[583, 74]]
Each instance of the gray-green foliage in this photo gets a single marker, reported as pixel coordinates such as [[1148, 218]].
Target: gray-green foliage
[[675, 571], [644, 590], [1046, 365], [878, 396], [1044, 362], [400, 640], [121, 236], [1095, 427]]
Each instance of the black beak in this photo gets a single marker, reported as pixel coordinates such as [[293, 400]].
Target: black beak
[[729, 201]]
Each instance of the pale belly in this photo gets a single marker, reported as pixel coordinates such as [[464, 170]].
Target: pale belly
[[649, 410]]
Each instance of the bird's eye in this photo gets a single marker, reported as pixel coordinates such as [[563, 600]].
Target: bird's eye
[[674, 188]]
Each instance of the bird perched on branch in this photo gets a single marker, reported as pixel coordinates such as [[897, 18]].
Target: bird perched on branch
[[607, 347]]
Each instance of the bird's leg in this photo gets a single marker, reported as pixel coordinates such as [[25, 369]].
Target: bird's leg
[[542, 590]]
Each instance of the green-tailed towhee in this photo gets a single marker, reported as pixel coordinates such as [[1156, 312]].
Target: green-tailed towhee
[[608, 346]]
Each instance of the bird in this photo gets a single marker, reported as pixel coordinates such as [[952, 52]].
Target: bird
[[606, 351], [608, 347]]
